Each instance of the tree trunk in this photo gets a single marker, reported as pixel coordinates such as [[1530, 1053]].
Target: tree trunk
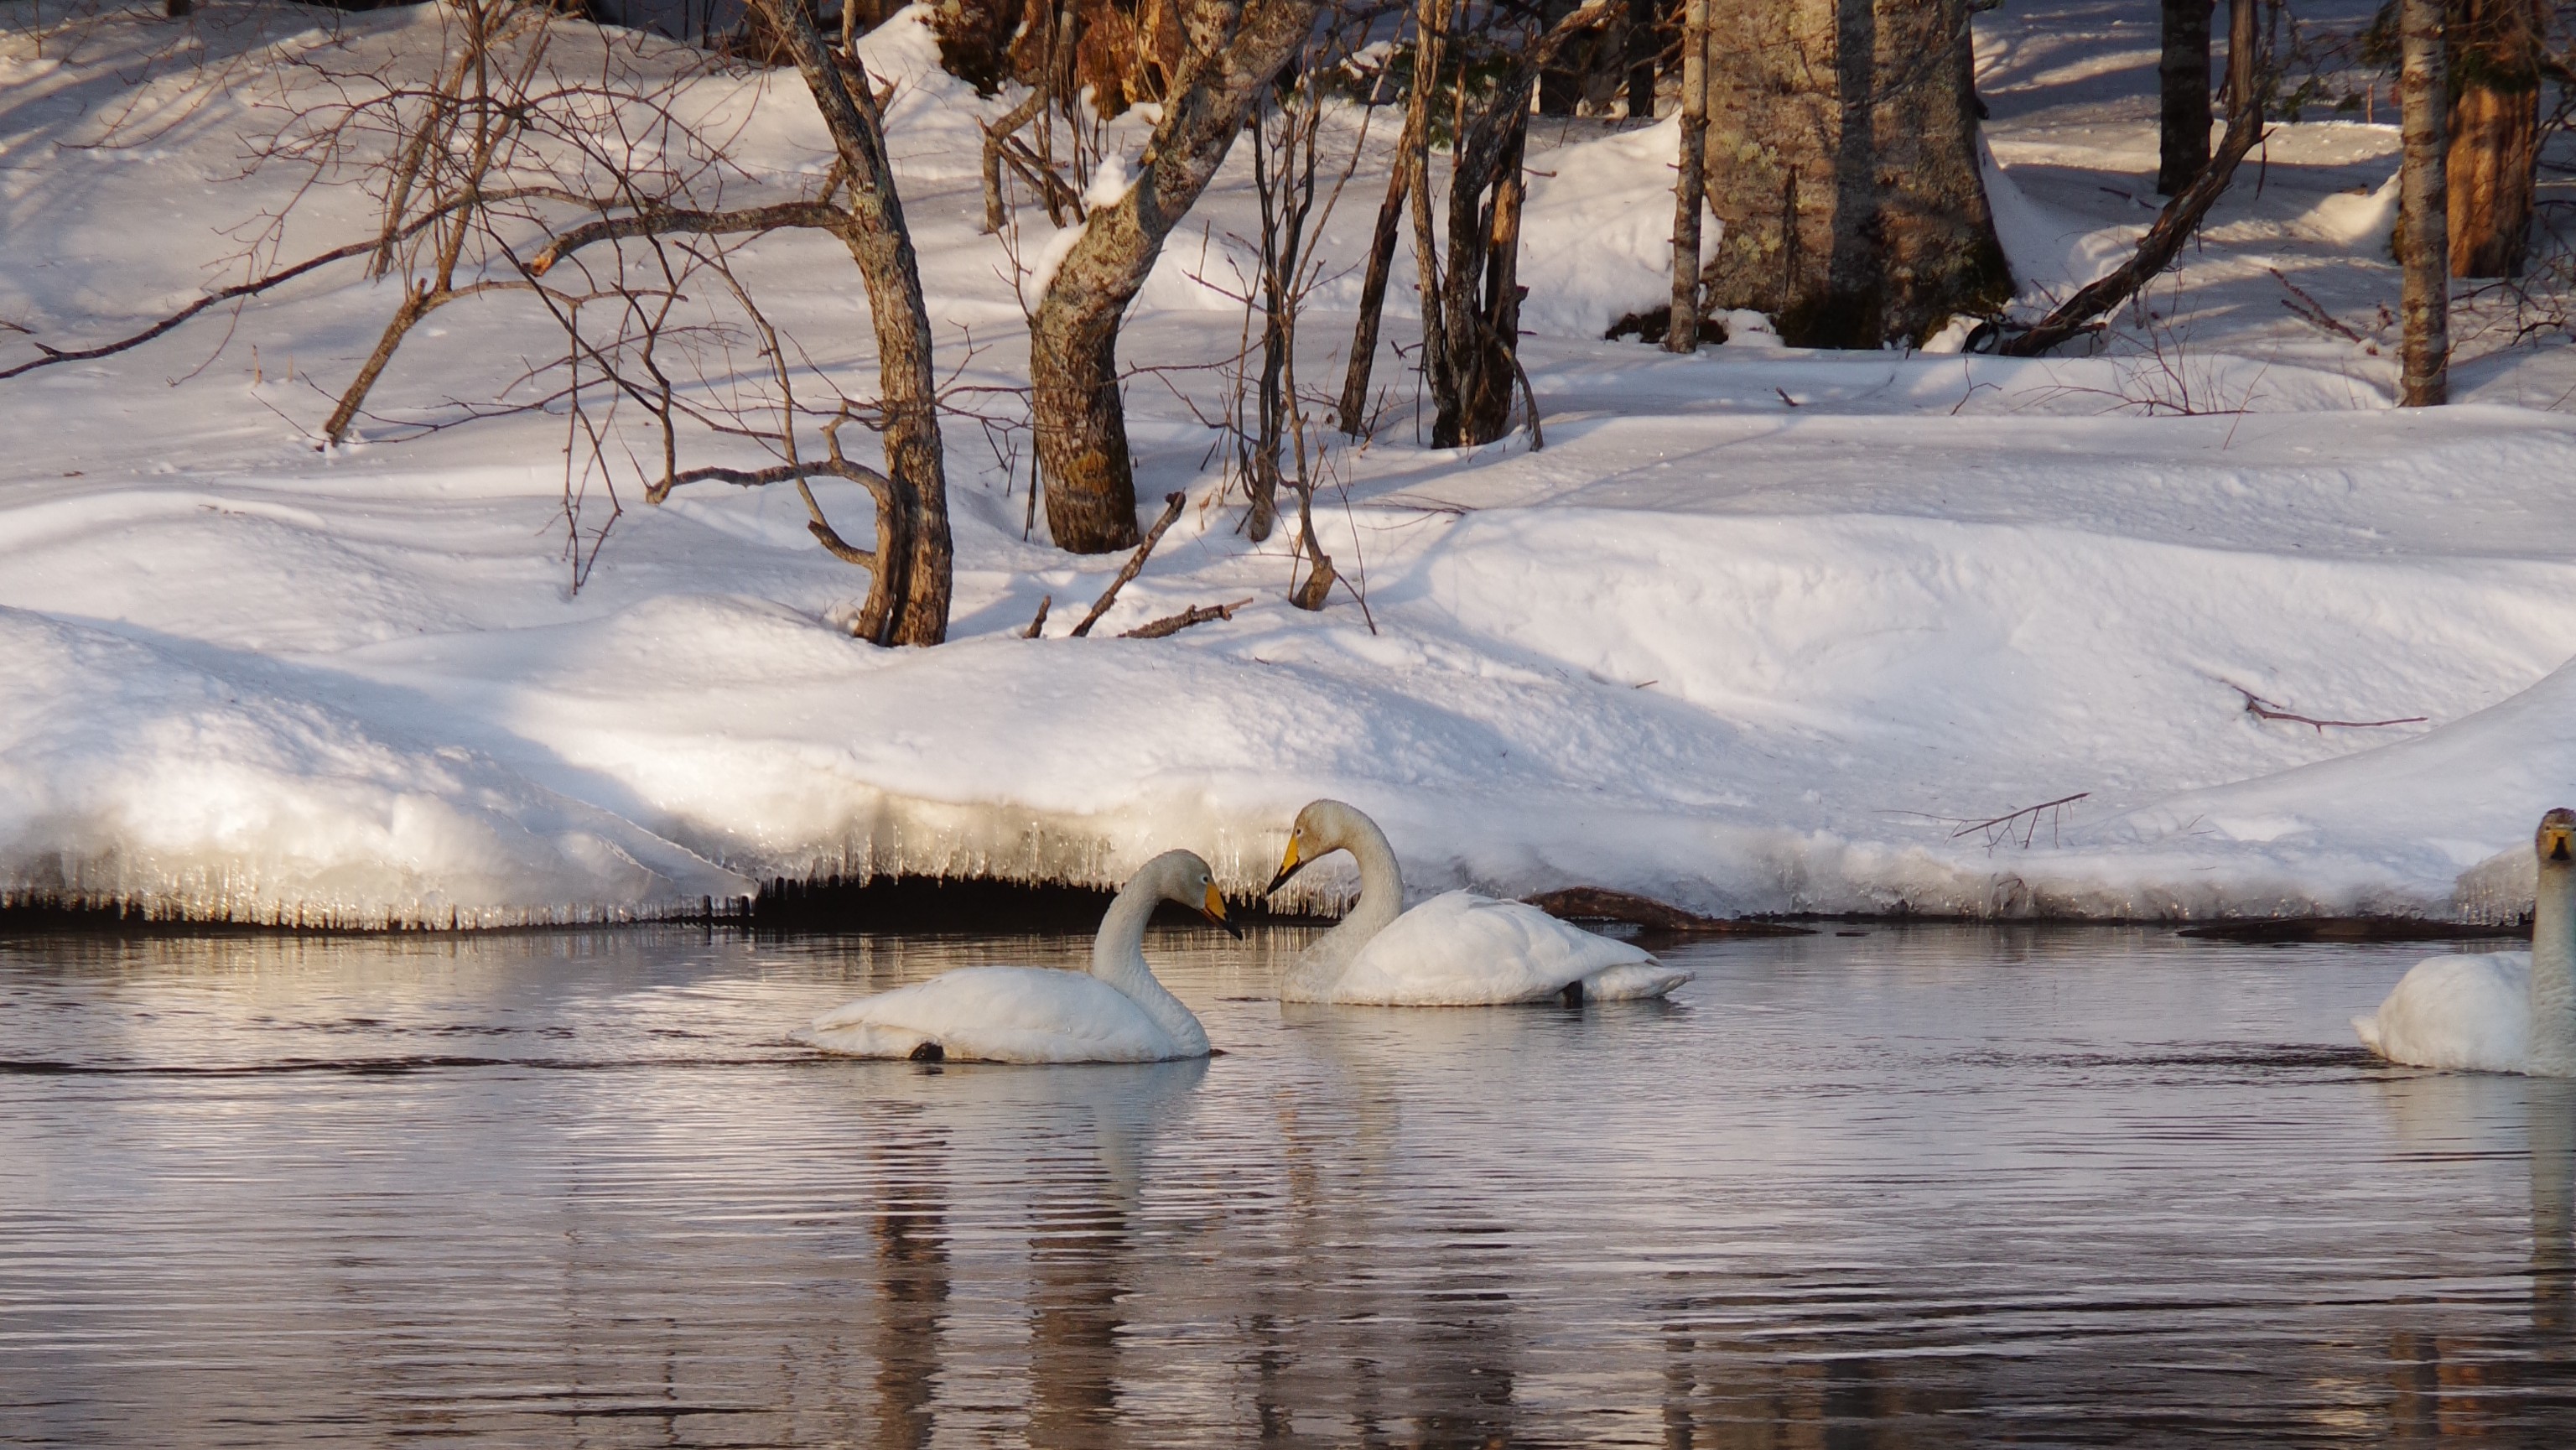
[[1354, 411], [882, 246], [2495, 50], [2247, 96], [2184, 75], [1843, 163], [1471, 307], [2423, 211], [1690, 187], [1642, 51], [1235, 48]]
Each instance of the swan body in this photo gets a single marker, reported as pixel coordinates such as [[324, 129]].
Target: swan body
[[1458, 949], [2497, 1011], [1116, 1012]]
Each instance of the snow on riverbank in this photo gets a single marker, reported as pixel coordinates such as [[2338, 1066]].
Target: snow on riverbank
[[1758, 630]]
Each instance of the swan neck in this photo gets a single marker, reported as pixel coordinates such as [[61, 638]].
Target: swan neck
[[2553, 972], [1118, 958], [1381, 898]]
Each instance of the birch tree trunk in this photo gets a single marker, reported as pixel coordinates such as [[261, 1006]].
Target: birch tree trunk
[[2495, 48], [2183, 75], [1842, 159], [908, 392], [2423, 210], [1234, 48]]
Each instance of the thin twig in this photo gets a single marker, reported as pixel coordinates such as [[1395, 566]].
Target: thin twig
[[1045, 602], [1172, 624], [2262, 709], [2006, 820], [1171, 510]]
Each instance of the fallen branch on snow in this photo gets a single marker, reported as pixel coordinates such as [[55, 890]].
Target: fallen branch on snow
[[1171, 510], [1171, 624], [2262, 709]]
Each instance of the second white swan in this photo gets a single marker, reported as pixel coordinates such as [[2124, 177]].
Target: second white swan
[[1116, 1012], [1455, 950]]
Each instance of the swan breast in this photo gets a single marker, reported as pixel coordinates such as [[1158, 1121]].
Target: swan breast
[[999, 1014], [2470, 1012]]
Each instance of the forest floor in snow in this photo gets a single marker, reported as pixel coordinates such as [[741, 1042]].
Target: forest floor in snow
[[1758, 630]]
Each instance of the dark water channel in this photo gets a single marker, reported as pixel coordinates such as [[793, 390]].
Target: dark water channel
[[1924, 1187]]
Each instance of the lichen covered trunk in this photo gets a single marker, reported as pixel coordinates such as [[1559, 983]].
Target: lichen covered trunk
[[1842, 158], [2494, 132], [1234, 48]]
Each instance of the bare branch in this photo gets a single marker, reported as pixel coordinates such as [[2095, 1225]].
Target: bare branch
[[660, 221], [1172, 624], [2262, 709], [1135, 564]]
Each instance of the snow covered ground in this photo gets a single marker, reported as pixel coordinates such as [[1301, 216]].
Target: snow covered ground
[[1758, 630]]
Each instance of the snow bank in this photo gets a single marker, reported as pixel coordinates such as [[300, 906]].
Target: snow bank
[[130, 773], [1597, 231], [1761, 629]]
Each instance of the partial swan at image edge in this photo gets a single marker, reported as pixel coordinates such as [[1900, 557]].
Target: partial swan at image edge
[[2496, 1011]]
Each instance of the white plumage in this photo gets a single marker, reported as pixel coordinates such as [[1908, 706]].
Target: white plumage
[[1003, 1014], [1458, 949], [2500, 1011], [1116, 1012], [2466, 1012]]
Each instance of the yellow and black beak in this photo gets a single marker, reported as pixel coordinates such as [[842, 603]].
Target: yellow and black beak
[[1289, 865], [2555, 844], [1215, 911]]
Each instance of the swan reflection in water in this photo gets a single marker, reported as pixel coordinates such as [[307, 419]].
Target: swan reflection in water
[[942, 1131], [2445, 1382]]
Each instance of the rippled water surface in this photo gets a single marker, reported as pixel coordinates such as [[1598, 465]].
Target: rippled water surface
[[1927, 1187]]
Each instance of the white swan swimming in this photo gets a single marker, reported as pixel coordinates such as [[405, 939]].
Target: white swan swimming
[[2502, 1011], [1455, 950], [1116, 1012]]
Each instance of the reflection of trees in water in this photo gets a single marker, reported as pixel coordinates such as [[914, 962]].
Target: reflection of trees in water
[[1076, 1259], [1385, 1314], [911, 1233], [1724, 1392]]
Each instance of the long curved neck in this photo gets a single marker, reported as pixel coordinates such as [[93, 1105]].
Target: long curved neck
[[2553, 972], [1381, 884], [1118, 958]]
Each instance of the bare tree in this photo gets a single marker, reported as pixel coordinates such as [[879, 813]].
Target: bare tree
[[1234, 48], [1471, 292], [2423, 209], [2182, 75], [1410, 150], [2250, 82], [1690, 186]]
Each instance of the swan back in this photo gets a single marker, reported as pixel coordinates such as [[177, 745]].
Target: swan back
[[1459, 949]]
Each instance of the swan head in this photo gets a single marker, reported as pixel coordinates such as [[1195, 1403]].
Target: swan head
[[1183, 877], [2556, 841], [1322, 828]]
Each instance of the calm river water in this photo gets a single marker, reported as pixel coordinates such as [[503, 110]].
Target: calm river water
[[1917, 1187]]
